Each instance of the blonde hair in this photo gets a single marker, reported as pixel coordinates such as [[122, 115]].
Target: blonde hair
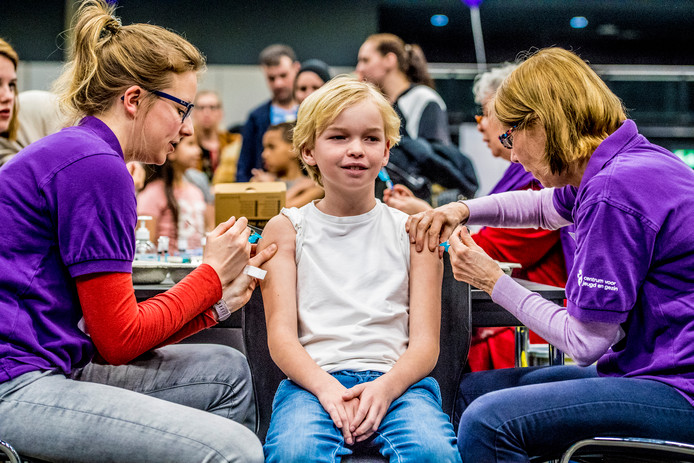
[[8, 52], [411, 59], [556, 89], [324, 105], [107, 58]]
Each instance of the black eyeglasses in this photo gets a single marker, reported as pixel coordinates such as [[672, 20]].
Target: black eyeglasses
[[506, 138], [188, 106]]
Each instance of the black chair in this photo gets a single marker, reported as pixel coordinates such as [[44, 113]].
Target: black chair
[[455, 343]]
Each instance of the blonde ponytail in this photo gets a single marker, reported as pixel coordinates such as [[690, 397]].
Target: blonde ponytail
[[107, 58]]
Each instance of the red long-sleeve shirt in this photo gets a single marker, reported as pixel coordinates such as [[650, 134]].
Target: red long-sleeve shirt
[[122, 329]]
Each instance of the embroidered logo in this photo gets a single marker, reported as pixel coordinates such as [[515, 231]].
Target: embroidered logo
[[598, 283]]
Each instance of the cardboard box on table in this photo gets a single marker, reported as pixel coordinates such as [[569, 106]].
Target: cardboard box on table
[[257, 201]]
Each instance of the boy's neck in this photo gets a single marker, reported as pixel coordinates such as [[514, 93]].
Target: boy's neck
[[346, 205]]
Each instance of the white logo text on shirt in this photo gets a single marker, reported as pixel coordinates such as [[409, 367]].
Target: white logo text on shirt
[[597, 283]]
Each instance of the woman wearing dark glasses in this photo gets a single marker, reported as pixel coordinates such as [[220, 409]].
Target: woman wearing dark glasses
[[83, 374], [630, 291]]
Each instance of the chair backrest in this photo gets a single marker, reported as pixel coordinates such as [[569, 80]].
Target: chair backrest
[[455, 343], [266, 375], [456, 333]]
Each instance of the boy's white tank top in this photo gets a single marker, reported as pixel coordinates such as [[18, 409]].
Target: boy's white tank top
[[352, 287]]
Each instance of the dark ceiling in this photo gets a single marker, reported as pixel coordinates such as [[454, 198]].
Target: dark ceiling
[[618, 31], [234, 31]]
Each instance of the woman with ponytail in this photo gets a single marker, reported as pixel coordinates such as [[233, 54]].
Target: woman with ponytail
[[400, 71], [86, 372]]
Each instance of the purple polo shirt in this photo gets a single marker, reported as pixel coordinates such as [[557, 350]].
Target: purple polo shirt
[[67, 204], [515, 177], [634, 261]]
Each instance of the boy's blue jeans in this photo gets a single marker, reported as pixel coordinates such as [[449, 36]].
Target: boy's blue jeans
[[415, 429], [513, 414]]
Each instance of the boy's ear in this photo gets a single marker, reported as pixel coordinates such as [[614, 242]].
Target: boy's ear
[[386, 156], [307, 156]]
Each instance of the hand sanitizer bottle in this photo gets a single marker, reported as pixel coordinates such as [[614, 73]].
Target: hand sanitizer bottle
[[144, 248]]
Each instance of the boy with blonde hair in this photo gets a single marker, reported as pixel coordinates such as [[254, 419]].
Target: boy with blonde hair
[[353, 315]]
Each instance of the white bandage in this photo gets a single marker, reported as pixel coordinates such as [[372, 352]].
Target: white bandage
[[254, 272]]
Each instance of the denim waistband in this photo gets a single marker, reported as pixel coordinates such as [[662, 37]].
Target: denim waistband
[[362, 376]]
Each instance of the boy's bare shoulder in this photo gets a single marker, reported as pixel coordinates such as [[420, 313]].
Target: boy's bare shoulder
[[279, 229]]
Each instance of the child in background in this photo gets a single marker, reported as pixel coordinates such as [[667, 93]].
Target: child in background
[[177, 207], [282, 164], [353, 312]]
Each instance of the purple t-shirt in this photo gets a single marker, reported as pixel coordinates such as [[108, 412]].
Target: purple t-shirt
[[68, 208], [515, 177], [634, 262]]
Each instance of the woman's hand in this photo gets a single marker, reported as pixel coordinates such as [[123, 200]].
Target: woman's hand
[[374, 400], [470, 263], [402, 198], [237, 293], [227, 249], [433, 227]]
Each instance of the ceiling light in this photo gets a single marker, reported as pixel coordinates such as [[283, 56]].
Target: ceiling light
[[439, 20], [578, 22]]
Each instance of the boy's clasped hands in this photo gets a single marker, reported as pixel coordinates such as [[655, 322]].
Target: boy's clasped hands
[[358, 411]]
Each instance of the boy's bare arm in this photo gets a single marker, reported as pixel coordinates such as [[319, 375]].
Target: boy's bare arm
[[279, 300], [426, 274]]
